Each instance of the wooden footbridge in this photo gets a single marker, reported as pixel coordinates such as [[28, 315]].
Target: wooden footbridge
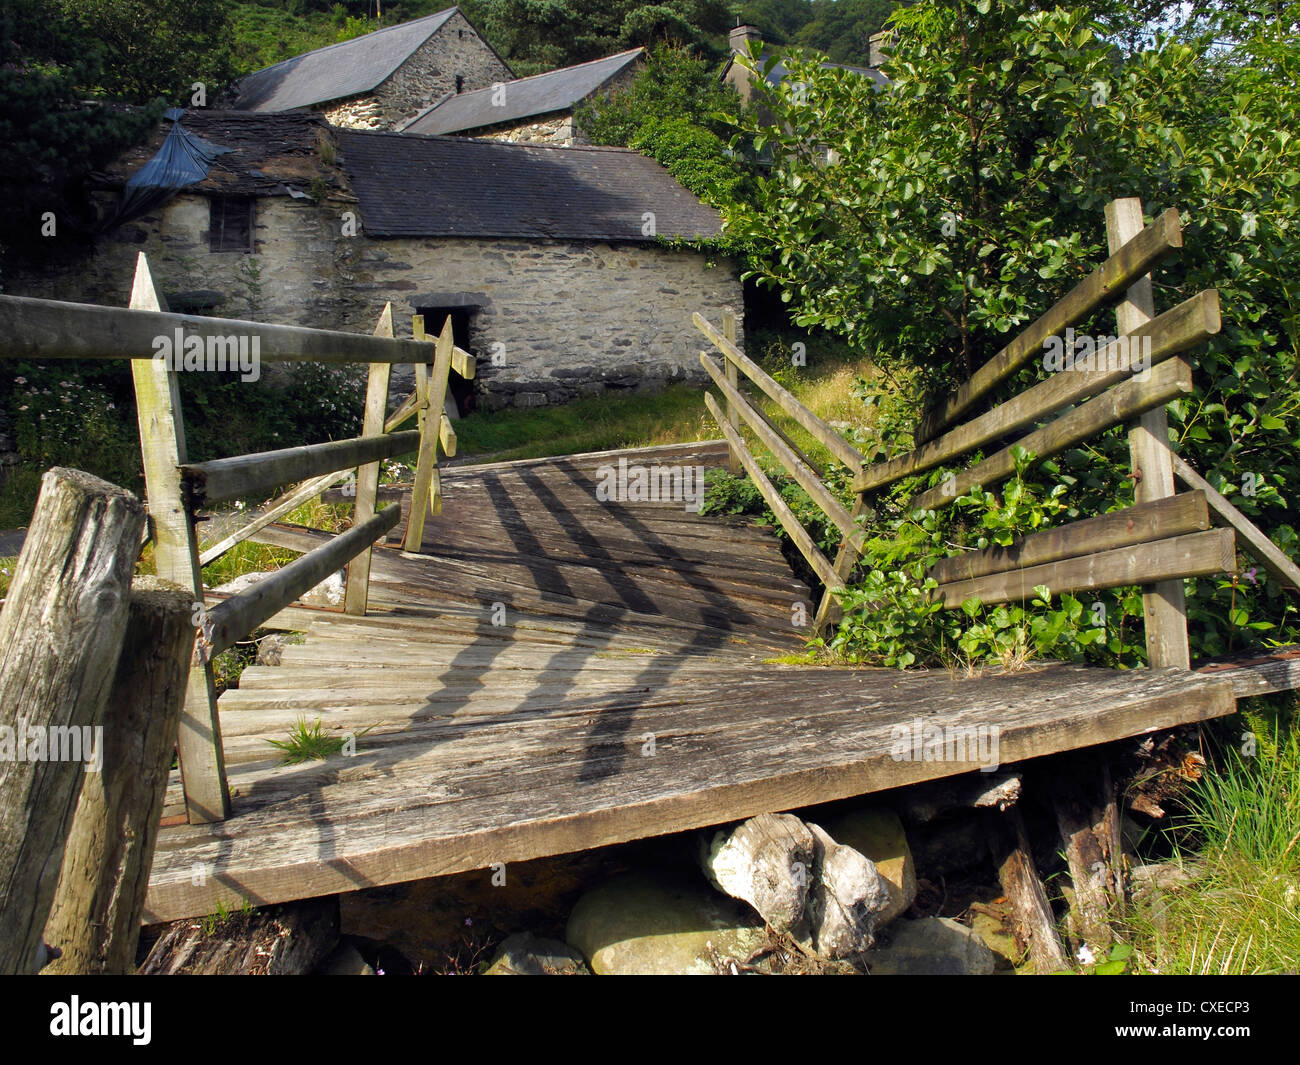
[[525, 666]]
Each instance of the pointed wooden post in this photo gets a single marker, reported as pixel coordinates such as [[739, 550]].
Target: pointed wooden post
[[1164, 603], [358, 588], [176, 550], [431, 391]]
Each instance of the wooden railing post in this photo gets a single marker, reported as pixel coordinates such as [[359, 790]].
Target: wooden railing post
[[431, 389], [176, 551], [1164, 603], [61, 634], [733, 379], [367, 484]]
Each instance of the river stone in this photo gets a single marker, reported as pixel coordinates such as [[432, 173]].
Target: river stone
[[525, 954], [931, 946], [875, 832], [845, 895], [766, 862], [650, 924], [993, 934]]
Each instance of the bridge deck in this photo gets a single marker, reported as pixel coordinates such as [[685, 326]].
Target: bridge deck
[[629, 692]]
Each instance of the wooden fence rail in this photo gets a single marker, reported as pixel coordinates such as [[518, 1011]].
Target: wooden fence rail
[[1128, 379], [161, 347]]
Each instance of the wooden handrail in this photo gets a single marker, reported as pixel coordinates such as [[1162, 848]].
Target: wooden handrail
[[249, 475], [234, 618]]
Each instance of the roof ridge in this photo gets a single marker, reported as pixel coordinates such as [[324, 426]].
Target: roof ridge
[[549, 73], [448, 11]]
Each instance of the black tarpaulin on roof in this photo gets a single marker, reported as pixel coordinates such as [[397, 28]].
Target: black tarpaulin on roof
[[183, 159]]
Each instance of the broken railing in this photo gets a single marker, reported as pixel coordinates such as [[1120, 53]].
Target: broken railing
[[177, 488], [1061, 411]]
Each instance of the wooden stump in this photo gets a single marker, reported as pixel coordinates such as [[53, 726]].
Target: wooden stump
[[1034, 923], [95, 920], [61, 634]]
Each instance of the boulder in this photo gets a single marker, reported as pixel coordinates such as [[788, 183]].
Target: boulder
[[525, 954], [651, 924], [845, 895], [876, 833], [931, 946], [766, 862]]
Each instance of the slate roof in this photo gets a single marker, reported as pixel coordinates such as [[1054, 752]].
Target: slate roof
[[271, 154], [542, 94], [413, 186], [337, 71]]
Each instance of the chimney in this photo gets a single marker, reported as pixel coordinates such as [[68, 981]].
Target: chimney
[[741, 37], [878, 44]]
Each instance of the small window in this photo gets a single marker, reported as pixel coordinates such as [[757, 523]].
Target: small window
[[230, 224], [460, 33], [460, 82]]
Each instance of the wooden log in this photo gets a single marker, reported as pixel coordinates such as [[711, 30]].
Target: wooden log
[[1255, 541], [1164, 604], [234, 618], [797, 533], [176, 556], [1118, 404], [52, 329], [841, 450], [807, 478], [61, 632], [95, 919], [1190, 323], [1032, 918], [1158, 520], [287, 940], [1106, 283], [275, 510], [251, 475], [1194, 555], [357, 592], [1086, 837]]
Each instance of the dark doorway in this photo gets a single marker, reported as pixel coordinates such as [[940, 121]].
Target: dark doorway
[[462, 391]]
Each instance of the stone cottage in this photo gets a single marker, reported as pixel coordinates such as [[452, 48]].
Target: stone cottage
[[380, 79], [548, 259], [533, 110]]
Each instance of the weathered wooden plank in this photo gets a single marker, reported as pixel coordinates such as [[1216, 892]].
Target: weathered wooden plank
[[431, 384], [61, 632], [810, 551], [52, 329], [841, 450], [1255, 541], [1107, 282], [1157, 520], [95, 919], [1190, 323], [251, 475], [628, 796], [1194, 555], [176, 556], [1257, 672], [1118, 404], [1164, 604], [357, 592], [464, 363], [236, 617]]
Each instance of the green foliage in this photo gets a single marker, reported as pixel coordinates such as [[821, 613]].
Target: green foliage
[[675, 110], [968, 197]]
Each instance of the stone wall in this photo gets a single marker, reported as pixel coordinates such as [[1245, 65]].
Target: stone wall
[[427, 76], [553, 129], [563, 319]]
